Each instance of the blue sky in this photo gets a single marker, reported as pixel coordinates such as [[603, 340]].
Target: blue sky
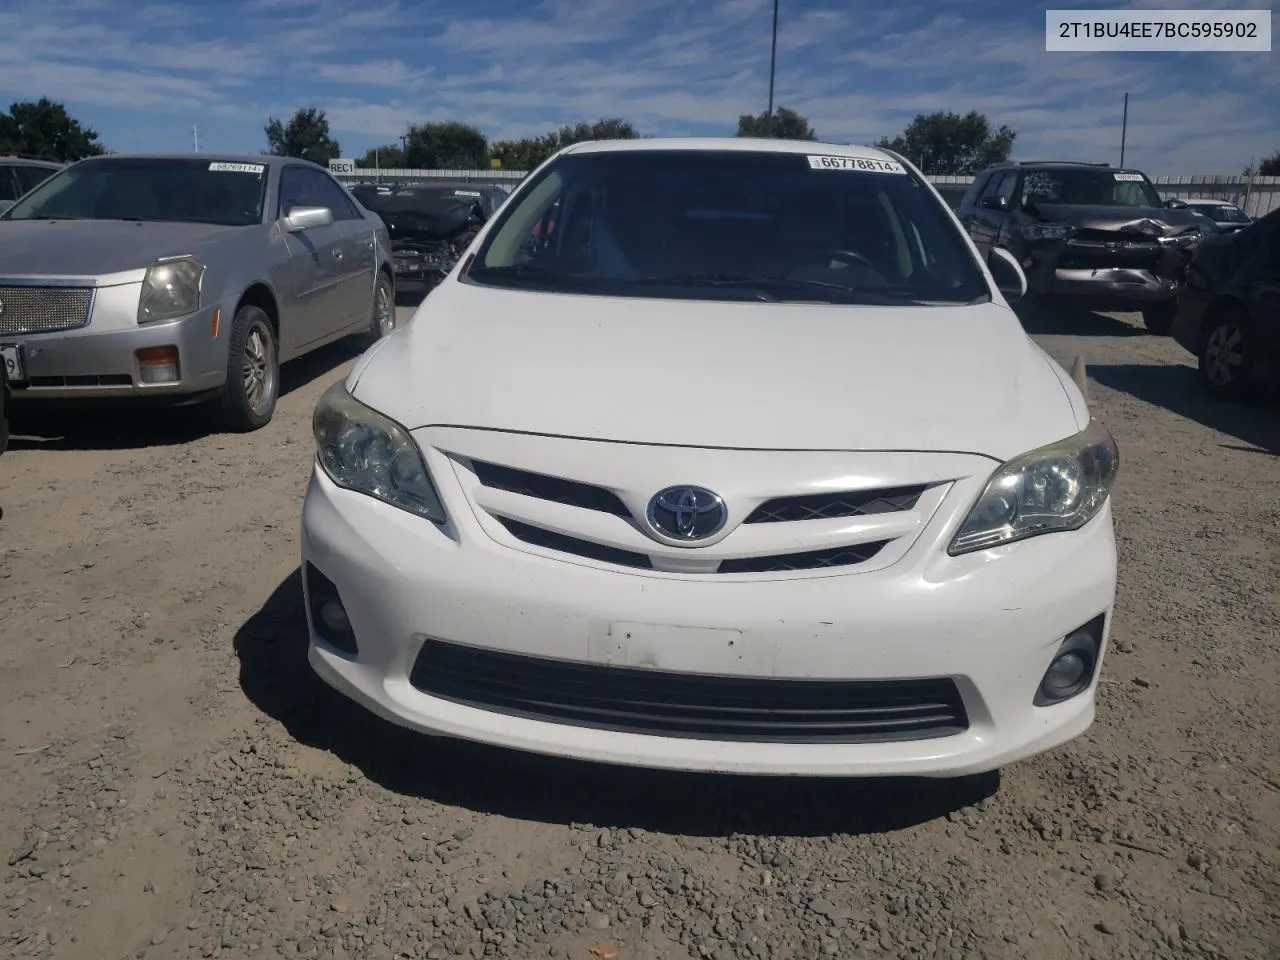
[[142, 74]]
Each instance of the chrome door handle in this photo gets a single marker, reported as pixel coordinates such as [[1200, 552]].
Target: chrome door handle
[[337, 254]]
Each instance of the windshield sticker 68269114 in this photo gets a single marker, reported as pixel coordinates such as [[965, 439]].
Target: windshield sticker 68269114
[[1129, 177], [856, 164], [221, 167]]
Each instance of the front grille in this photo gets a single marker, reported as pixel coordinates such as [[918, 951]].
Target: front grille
[[544, 487], [777, 563], [1104, 249], [829, 506], [43, 309], [660, 703]]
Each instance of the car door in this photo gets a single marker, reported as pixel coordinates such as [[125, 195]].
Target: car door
[[356, 261], [988, 220], [967, 210], [313, 277], [1264, 297]]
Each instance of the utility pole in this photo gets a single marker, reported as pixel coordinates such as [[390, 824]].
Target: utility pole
[[195, 138], [773, 64], [1124, 128]]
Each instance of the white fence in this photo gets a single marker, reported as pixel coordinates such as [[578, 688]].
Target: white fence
[[1255, 195]]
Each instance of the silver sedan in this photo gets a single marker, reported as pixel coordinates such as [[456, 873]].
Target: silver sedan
[[185, 279]]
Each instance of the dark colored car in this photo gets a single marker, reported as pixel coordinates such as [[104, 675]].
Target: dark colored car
[[1216, 216], [21, 175], [430, 224], [1229, 310], [1088, 231]]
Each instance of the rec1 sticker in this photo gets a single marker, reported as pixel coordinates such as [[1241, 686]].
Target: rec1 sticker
[[219, 167], [1129, 177], [858, 164]]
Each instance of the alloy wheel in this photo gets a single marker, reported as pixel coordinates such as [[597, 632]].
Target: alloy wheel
[[259, 368], [1224, 354]]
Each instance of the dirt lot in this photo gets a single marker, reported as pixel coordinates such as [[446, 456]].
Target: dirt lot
[[175, 783]]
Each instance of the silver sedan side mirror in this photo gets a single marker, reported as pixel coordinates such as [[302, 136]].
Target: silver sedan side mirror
[[306, 218]]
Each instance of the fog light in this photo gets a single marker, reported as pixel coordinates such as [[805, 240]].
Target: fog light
[[329, 617], [158, 364], [1073, 666], [334, 617]]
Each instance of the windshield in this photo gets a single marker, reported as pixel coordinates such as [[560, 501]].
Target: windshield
[[127, 188], [1225, 213], [730, 225], [1089, 187]]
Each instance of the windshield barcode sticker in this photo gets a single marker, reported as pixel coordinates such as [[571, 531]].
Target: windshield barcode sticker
[[1129, 177], [466, 193], [218, 167], [857, 164]]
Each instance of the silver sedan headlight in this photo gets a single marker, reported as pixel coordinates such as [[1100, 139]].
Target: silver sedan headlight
[[1058, 487], [361, 450], [170, 289]]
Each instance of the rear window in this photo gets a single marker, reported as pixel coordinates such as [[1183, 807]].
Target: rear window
[[730, 225]]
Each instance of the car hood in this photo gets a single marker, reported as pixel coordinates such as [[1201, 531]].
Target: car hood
[[1167, 221], [700, 373], [92, 248]]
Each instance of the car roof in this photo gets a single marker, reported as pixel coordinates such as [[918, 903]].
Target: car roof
[[1208, 202], [739, 144], [14, 160], [268, 160]]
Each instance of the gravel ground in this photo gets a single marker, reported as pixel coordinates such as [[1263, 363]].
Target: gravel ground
[[175, 783]]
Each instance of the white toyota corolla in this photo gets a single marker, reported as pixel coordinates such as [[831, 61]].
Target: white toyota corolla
[[720, 455]]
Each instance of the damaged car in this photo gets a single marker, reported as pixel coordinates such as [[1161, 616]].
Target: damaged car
[[1093, 232], [430, 224]]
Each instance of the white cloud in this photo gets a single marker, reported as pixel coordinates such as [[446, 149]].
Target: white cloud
[[669, 66]]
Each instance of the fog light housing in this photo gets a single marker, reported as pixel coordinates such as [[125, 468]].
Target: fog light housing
[[328, 615], [1074, 665], [158, 364]]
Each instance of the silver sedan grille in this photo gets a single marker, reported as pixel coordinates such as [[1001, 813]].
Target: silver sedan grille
[[28, 309]]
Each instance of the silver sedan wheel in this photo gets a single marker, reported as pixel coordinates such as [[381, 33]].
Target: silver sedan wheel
[[384, 309], [1224, 354], [259, 368]]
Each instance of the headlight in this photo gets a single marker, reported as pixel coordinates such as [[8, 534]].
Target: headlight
[[1183, 241], [1058, 487], [364, 451], [170, 289], [1045, 231]]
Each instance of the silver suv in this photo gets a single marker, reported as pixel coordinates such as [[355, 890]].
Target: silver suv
[[19, 175]]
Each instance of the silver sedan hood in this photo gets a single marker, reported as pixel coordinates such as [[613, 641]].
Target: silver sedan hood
[[96, 248]]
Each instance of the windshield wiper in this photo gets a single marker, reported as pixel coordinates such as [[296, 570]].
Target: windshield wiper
[[769, 287], [526, 271]]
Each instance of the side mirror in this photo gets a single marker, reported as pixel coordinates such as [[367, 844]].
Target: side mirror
[[1007, 273], [995, 203], [306, 218], [1176, 204]]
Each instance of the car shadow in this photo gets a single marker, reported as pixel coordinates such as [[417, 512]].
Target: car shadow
[[125, 425], [274, 674], [1178, 389], [1066, 318]]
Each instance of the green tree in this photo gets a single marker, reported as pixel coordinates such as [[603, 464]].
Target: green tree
[[306, 136], [787, 125], [445, 145], [946, 143], [1270, 166], [44, 128], [389, 157], [531, 151]]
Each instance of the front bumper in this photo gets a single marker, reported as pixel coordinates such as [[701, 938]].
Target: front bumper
[[100, 360], [1050, 272], [991, 623]]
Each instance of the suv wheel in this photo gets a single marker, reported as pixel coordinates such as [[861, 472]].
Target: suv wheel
[[1227, 356]]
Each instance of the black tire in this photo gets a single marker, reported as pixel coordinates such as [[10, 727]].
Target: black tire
[[252, 386], [1228, 356], [384, 298], [1158, 317]]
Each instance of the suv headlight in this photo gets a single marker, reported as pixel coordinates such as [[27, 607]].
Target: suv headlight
[[1045, 231], [364, 451], [1058, 487], [170, 289]]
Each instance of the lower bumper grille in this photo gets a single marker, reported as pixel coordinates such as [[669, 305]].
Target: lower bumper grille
[[43, 309], [697, 706]]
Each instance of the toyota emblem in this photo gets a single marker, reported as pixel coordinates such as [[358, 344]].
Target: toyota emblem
[[687, 513]]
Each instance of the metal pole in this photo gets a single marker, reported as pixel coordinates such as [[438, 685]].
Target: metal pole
[[1124, 128], [773, 64]]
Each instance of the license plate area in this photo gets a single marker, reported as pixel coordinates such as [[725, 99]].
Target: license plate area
[[15, 363], [681, 649]]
